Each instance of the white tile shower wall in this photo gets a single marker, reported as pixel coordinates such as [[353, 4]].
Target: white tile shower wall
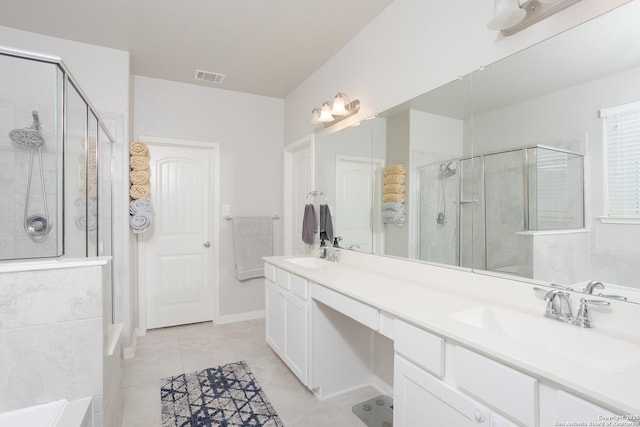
[[51, 335], [14, 178]]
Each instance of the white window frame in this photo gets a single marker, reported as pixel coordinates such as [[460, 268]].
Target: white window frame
[[604, 113]]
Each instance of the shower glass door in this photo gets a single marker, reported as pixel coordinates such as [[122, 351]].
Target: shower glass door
[[30, 146], [504, 210]]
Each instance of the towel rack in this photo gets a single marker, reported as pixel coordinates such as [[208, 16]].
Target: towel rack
[[311, 195], [229, 217]]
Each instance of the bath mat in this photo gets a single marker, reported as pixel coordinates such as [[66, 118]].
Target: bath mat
[[224, 396]]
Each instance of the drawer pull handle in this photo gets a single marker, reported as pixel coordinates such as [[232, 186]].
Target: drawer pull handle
[[479, 416]]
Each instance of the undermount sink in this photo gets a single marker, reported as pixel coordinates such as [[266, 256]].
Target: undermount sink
[[308, 262], [584, 347]]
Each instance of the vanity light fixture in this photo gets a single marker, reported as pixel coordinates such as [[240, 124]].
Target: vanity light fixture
[[511, 16], [333, 112]]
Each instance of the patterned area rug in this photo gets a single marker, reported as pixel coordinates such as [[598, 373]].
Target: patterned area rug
[[224, 396]]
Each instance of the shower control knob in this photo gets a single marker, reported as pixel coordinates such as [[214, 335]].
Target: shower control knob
[[207, 244]]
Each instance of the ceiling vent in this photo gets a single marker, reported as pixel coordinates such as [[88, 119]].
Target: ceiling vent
[[209, 77]]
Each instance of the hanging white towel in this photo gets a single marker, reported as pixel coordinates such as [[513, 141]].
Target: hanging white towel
[[252, 240]]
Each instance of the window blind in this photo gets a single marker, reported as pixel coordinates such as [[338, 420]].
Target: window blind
[[622, 159]]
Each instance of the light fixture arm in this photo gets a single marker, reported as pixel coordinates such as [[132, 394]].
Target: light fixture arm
[[536, 11]]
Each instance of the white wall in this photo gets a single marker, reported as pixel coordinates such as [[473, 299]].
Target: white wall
[[249, 129], [103, 75], [414, 46]]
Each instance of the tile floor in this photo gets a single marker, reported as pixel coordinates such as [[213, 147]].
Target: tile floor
[[172, 351]]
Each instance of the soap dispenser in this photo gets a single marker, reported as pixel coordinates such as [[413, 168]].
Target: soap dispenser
[[335, 242], [322, 251]]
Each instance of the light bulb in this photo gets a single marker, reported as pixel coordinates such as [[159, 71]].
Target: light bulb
[[325, 113], [339, 105]]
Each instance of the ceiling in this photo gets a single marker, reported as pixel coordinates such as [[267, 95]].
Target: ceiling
[[264, 47]]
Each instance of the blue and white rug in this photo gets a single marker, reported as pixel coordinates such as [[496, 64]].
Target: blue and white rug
[[224, 396]]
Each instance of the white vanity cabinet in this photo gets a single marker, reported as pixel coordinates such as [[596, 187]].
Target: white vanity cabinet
[[423, 400], [287, 319]]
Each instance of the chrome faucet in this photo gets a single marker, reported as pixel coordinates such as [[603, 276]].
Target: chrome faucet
[[592, 285], [333, 254], [353, 246], [558, 305], [583, 318]]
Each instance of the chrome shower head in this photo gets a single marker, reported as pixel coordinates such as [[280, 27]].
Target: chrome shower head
[[446, 171], [28, 137]]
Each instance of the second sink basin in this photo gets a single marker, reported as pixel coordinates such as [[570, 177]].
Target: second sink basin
[[564, 341]]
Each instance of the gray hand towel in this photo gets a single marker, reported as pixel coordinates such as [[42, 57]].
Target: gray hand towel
[[326, 224], [252, 240], [309, 224]]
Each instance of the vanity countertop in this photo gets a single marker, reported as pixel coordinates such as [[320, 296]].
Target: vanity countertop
[[493, 317]]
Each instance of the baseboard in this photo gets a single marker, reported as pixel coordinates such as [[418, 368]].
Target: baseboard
[[381, 385], [240, 317]]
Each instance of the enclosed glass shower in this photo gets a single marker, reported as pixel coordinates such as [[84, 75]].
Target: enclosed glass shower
[[56, 162], [476, 212]]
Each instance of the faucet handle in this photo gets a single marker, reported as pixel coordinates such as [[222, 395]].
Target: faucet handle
[[583, 318]]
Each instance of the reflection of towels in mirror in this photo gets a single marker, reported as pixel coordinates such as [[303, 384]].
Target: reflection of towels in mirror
[[393, 197], [395, 169], [393, 188], [393, 206], [309, 224], [395, 178], [393, 217], [326, 223]]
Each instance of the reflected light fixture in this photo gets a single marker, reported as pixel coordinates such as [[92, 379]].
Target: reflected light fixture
[[332, 112], [511, 16]]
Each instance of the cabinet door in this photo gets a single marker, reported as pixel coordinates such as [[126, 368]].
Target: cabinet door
[[296, 343], [423, 400], [274, 317]]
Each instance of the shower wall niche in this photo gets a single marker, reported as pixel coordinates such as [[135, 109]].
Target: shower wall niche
[[55, 163]]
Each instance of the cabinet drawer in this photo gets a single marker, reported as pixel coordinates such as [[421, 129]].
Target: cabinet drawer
[[358, 311], [423, 400], [506, 389], [282, 278], [570, 408], [298, 286], [419, 346], [270, 272]]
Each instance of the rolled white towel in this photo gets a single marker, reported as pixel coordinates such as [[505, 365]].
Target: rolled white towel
[[140, 222], [140, 205], [84, 222], [393, 217], [393, 206], [89, 204]]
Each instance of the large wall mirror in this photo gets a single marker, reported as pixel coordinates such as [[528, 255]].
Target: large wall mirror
[[525, 168]]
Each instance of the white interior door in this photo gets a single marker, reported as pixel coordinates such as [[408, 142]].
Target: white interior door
[[358, 210], [299, 179], [179, 253]]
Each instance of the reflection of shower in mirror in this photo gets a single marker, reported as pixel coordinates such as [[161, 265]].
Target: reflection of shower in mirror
[[446, 170]]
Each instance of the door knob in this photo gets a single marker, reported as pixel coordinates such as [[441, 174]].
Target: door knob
[[207, 244]]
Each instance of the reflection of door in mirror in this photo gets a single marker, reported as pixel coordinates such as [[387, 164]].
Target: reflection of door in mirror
[[358, 203]]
